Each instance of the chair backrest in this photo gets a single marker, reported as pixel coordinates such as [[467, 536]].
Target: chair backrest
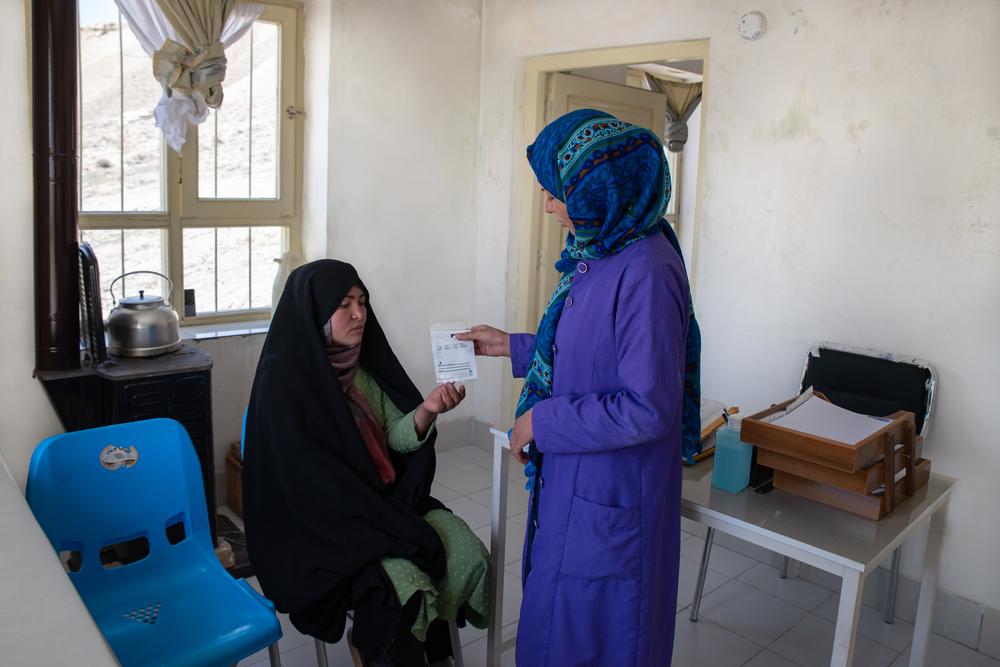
[[99, 487], [871, 382], [243, 432]]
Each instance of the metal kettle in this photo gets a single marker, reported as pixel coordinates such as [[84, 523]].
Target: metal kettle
[[143, 325]]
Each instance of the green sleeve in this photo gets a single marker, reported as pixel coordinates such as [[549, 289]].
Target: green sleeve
[[400, 430]]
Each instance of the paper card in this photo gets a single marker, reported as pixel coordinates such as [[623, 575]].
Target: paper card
[[454, 360]]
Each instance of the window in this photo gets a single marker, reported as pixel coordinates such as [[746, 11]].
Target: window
[[214, 218]]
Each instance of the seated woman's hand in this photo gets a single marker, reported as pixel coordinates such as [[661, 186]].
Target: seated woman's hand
[[445, 397], [488, 341]]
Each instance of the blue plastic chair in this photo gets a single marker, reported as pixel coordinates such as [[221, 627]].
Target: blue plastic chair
[[177, 606]]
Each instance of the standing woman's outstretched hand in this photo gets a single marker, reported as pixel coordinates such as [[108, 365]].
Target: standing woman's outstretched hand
[[488, 341]]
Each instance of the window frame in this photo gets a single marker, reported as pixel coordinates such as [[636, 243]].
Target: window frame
[[184, 210]]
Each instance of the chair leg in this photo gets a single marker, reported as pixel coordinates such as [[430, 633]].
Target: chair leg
[[456, 644], [889, 604], [273, 655], [321, 654], [702, 571], [785, 561]]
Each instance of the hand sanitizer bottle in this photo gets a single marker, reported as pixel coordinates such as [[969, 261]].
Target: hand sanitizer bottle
[[732, 458]]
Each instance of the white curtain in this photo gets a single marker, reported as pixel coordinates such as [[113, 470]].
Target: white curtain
[[188, 73], [682, 100]]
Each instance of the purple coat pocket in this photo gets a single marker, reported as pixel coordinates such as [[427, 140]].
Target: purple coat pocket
[[601, 541]]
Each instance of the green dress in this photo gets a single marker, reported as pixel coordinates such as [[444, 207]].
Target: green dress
[[467, 584]]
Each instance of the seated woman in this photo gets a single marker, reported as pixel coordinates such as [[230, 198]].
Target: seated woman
[[338, 465]]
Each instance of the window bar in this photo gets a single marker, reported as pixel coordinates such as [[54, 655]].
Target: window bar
[[121, 245], [121, 119], [250, 246], [215, 231], [215, 156], [250, 122]]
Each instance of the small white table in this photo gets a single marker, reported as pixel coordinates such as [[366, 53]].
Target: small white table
[[809, 532]]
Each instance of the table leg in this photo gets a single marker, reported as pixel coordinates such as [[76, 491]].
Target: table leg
[[699, 588], [498, 540], [928, 588], [847, 618]]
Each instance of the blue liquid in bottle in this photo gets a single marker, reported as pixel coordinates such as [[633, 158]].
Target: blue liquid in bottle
[[732, 458]]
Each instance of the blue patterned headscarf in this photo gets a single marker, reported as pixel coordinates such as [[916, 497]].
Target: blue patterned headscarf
[[614, 180]]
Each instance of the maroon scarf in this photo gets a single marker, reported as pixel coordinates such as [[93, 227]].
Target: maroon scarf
[[345, 362]]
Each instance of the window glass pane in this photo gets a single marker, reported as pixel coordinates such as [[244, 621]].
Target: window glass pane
[[121, 153], [208, 156], [264, 111], [144, 252], [199, 268], [231, 126], [238, 144], [142, 140], [100, 108], [246, 267], [265, 245], [119, 251], [234, 268]]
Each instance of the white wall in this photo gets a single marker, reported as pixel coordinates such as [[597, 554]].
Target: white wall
[[25, 413], [851, 193], [315, 149], [404, 109]]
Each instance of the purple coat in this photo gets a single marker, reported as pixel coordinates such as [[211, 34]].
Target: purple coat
[[603, 583]]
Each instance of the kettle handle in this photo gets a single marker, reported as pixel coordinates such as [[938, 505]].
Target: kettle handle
[[132, 273]]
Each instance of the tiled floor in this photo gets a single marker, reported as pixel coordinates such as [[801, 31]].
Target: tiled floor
[[749, 616]]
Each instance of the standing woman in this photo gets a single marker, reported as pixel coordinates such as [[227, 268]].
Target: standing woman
[[611, 384]]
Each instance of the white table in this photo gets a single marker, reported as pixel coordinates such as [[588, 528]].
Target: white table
[[43, 621], [829, 539]]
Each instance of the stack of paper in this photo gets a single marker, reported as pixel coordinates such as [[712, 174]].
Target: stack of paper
[[823, 419]]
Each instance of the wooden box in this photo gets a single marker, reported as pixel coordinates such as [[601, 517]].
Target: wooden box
[[234, 479], [839, 474], [866, 505]]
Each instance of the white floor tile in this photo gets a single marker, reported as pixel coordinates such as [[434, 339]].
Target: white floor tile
[[442, 492], [469, 634], [705, 644], [793, 590], [511, 599], [943, 652], [515, 540], [902, 660], [897, 635], [989, 637], [722, 559], [338, 655], [471, 512], [517, 499], [769, 659], [475, 653], [692, 528], [462, 476], [481, 457], [760, 617], [688, 580], [810, 643]]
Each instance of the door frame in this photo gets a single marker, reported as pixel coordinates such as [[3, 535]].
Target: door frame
[[536, 71]]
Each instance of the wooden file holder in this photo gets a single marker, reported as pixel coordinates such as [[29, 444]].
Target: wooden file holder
[[808, 463]]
